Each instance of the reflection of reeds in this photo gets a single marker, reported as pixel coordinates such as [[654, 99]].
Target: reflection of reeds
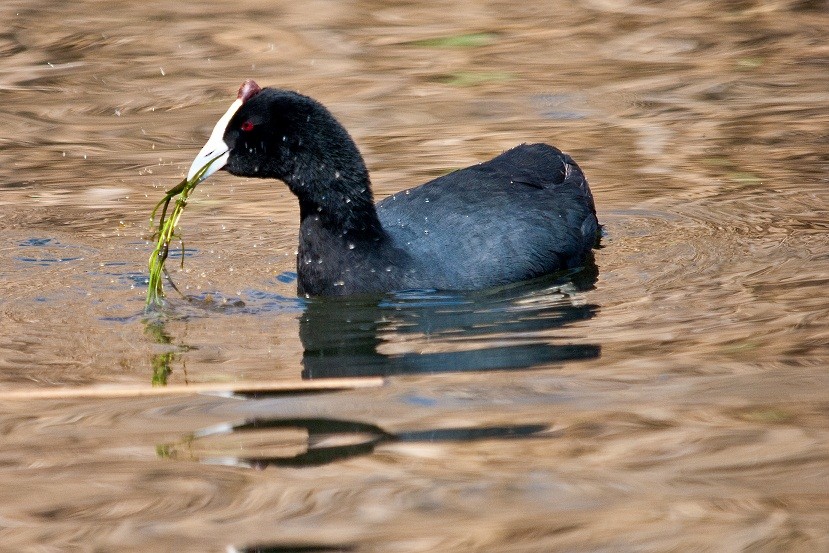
[[161, 362], [306, 442]]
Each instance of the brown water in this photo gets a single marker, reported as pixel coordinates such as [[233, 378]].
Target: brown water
[[674, 399]]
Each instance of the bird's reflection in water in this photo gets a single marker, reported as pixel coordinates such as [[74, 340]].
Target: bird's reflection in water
[[512, 327], [506, 328]]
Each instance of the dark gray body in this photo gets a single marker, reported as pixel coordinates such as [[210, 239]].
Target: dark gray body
[[525, 213]]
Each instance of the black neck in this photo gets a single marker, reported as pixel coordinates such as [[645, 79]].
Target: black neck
[[338, 194], [325, 170]]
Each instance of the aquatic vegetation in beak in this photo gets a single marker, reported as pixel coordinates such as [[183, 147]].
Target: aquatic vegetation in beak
[[166, 231]]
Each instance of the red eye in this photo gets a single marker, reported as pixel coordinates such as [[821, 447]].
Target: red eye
[[247, 126]]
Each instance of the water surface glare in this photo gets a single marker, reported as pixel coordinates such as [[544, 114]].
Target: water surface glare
[[671, 397]]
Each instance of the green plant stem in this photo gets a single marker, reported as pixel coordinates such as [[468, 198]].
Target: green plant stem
[[166, 232]]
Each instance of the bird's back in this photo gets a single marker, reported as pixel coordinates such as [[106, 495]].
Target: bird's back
[[525, 213]]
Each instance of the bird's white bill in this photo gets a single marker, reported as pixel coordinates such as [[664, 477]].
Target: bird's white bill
[[213, 155]]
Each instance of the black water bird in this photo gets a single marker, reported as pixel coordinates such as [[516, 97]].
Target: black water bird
[[526, 213]]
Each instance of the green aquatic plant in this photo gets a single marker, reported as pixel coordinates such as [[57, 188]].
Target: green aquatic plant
[[166, 232]]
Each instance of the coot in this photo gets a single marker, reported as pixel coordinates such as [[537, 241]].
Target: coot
[[523, 214]]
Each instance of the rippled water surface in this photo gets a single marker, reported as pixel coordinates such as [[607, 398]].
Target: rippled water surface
[[675, 397]]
